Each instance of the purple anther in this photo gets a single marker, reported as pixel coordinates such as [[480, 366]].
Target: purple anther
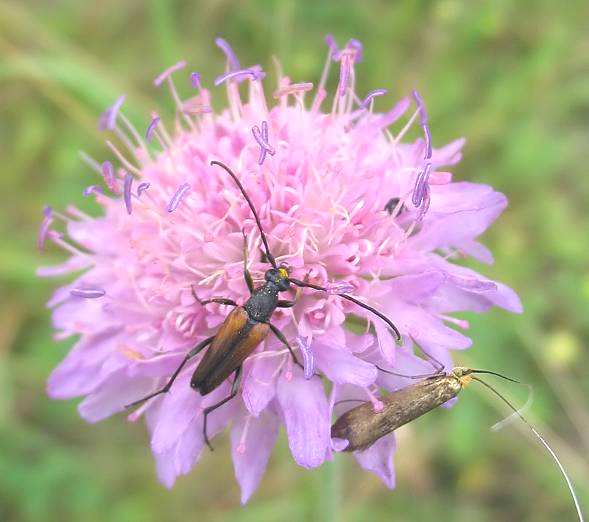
[[423, 122], [428, 142], [421, 185], [258, 71], [88, 293], [44, 228], [239, 75], [333, 49], [108, 118], [418, 189], [92, 189], [142, 187], [308, 357], [195, 80], [151, 128], [371, 95], [420, 107], [178, 197], [231, 58], [108, 175], [170, 70], [339, 287], [262, 138], [128, 183], [426, 202], [357, 46]]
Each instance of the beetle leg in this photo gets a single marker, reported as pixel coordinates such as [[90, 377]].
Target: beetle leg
[[210, 409], [220, 300], [283, 303], [246, 273], [281, 338], [195, 351]]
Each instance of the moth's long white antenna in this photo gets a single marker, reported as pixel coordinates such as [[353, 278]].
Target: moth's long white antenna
[[516, 414], [544, 443]]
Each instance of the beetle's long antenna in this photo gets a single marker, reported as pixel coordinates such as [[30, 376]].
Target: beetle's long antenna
[[253, 209], [543, 442], [300, 283]]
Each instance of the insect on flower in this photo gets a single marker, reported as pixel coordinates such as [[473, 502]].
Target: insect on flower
[[245, 327], [319, 166], [362, 426]]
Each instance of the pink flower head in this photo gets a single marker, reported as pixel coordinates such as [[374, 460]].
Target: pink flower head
[[334, 196]]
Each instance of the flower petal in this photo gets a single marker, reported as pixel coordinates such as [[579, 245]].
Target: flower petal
[[378, 459], [180, 406], [458, 212], [305, 413], [83, 369], [112, 397], [341, 367], [259, 386], [449, 154], [251, 451], [415, 288]]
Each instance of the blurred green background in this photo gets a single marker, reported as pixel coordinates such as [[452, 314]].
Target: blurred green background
[[510, 76]]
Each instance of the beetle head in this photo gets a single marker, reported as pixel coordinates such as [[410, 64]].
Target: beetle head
[[278, 276]]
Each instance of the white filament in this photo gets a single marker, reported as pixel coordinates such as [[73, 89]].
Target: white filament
[[516, 414], [545, 444]]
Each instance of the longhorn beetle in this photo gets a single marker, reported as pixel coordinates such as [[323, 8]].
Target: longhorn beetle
[[362, 426], [245, 327]]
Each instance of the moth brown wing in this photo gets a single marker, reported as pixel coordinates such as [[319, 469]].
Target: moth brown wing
[[227, 336], [241, 350]]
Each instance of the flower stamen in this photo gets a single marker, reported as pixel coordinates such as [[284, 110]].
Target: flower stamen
[[92, 189], [262, 138], [88, 293], [231, 57], [151, 127], [127, 184], [107, 172], [239, 75], [178, 197], [108, 118], [368, 100], [122, 158], [44, 228], [168, 72], [377, 404], [142, 188]]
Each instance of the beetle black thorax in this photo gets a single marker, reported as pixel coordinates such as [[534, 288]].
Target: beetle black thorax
[[262, 303]]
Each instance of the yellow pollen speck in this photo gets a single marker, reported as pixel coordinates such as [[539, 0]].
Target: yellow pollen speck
[[130, 353], [283, 272]]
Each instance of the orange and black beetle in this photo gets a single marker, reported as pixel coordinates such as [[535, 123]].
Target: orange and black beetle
[[245, 327]]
